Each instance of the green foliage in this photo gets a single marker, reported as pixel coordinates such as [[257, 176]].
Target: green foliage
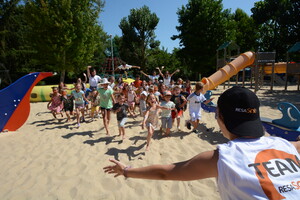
[[158, 58], [14, 52], [64, 33], [279, 22], [202, 28], [246, 31], [138, 35]]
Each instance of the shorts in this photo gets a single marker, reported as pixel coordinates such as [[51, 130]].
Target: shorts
[[93, 88], [177, 114], [79, 106], [121, 123], [108, 109], [94, 108], [149, 124], [68, 108], [195, 115], [166, 122], [131, 103]]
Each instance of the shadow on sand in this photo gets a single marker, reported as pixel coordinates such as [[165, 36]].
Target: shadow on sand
[[107, 140], [130, 151], [211, 136], [84, 133]]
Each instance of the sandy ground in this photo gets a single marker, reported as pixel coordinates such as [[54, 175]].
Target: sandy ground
[[52, 159]]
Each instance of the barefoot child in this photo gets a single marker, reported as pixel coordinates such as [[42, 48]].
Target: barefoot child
[[79, 97], [121, 109], [106, 102], [55, 104], [131, 98], [195, 99], [151, 117], [166, 118], [180, 102], [68, 102], [95, 101], [143, 103]]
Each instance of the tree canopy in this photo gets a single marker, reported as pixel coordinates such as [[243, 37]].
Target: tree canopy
[[202, 28], [138, 35], [279, 23], [66, 35], [63, 33]]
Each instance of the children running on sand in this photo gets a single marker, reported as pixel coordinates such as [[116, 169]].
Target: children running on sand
[[95, 101], [143, 103], [55, 104], [249, 166], [131, 98], [180, 102], [151, 117], [106, 102], [166, 118], [121, 109], [195, 99], [79, 97], [68, 102]]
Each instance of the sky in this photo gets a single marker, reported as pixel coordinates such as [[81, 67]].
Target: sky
[[115, 10]]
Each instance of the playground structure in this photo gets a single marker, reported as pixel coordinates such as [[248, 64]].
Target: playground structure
[[263, 67], [288, 127], [229, 70], [15, 101], [42, 93]]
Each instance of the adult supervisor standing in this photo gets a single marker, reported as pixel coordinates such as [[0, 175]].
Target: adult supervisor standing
[[94, 79], [249, 166]]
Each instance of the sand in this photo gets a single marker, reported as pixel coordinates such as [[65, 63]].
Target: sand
[[51, 159]]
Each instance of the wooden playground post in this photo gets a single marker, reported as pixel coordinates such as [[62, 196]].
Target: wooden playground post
[[272, 76], [256, 74]]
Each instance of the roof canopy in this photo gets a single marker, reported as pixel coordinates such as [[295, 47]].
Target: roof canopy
[[230, 45], [294, 48]]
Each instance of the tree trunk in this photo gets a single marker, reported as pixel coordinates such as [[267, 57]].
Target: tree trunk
[[63, 72], [62, 76]]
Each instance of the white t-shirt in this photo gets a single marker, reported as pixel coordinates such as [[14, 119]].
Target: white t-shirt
[[93, 81], [167, 80], [126, 67], [195, 102], [151, 77], [262, 168], [169, 104]]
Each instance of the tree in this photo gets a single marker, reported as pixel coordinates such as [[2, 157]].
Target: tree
[[160, 57], [246, 32], [279, 22], [138, 35], [63, 33], [14, 54], [202, 28]]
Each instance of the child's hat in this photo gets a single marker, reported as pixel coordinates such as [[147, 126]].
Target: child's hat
[[104, 81], [144, 93], [167, 93], [240, 110]]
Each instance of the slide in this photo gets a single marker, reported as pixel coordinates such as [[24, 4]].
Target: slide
[[279, 68], [229, 70], [14, 101]]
